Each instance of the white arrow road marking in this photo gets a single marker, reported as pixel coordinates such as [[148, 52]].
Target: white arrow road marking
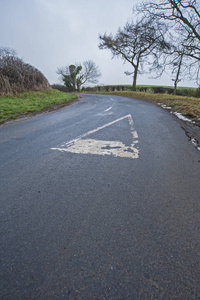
[[99, 147]]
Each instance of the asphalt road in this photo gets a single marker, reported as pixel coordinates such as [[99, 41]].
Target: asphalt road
[[100, 200]]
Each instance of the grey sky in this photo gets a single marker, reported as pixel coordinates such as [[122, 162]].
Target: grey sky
[[53, 33]]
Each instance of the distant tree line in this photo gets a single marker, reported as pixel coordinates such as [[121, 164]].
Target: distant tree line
[[164, 35], [190, 92], [17, 76]]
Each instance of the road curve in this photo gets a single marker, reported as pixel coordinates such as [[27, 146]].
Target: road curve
[[100, 200]]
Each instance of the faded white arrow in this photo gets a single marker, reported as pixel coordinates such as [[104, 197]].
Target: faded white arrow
[[91, 146]]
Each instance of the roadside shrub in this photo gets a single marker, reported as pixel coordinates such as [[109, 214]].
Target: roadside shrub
[[180, 92], [60, 87], [189, 92], [142, 89], [113, 87], [158, 89], [16, 76], [197, 92], [169, 91]]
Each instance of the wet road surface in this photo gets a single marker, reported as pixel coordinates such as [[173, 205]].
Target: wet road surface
[[100, 200]]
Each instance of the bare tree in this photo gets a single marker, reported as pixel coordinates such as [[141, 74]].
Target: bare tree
[[183, 15], [135, 43], [74, 76], [90, 73], [175, 61]]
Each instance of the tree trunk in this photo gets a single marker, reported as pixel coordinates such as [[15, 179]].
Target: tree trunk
[[74, 85], [134, 80], [135, 74], [177, 75], [78, 88], [175, 87]]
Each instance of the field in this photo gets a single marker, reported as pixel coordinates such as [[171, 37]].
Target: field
[[15, 106]]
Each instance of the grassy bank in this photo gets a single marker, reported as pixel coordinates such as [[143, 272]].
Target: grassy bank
[[188, 106], [15, 106]]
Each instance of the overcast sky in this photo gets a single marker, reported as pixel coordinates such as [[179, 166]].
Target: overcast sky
[[54, 33]]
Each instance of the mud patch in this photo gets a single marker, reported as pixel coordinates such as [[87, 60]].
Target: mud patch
[[192, 131]]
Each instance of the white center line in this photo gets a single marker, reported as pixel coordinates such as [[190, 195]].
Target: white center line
[[108, 109]]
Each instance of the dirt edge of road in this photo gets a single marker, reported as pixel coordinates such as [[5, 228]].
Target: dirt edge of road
[[191, 130]]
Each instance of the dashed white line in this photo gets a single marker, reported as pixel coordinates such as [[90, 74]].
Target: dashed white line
[[108, 109]]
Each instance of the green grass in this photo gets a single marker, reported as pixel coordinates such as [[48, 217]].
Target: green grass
[[188, 106], [15, 106]]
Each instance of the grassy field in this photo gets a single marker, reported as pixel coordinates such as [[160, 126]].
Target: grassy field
[[188, 106], [15, 106]]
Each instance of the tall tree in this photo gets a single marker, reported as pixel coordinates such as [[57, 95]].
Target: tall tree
[[175, 59], [135, 43], [74, 76], [182, 17]]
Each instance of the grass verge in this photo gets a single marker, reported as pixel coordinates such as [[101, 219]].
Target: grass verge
[[15, 106], [187, 106]]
